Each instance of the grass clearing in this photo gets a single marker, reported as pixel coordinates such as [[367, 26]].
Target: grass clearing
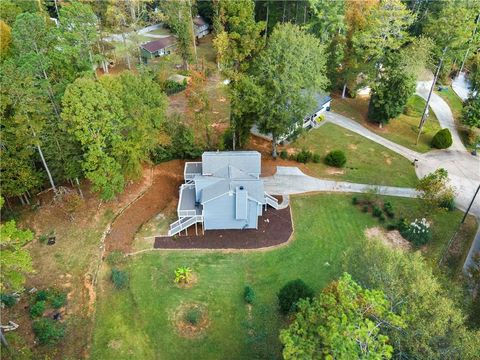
[[138, 322], [362, 154], [403, 130]]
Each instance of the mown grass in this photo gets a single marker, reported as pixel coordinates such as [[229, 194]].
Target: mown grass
[[402, 130], [137, 323], [362, 154]]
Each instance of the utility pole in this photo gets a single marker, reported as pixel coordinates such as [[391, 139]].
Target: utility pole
[[425, 111], [469, 206]]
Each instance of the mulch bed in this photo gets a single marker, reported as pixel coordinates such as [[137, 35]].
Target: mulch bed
[[274, 228]]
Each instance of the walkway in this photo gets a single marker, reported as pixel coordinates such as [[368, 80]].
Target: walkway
[[461, 86]]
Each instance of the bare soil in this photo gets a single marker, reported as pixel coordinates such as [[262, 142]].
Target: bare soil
[[392, 239]]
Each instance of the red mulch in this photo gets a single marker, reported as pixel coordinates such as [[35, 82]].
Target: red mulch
[[274, 228]]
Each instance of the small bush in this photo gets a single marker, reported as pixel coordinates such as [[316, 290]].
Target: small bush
[[336, 158], [8, 300], [284, 154], [316, 158], [37, 309], [43, 239], [183, 274], [381, 218], [48, 331], [304, 156], [119, 278], [388, 208], [172, 87], [365, 208], [418, 232], [58, 299], [249, 295], [289, 295], [354, 200], [377, 212], [115, 257], [448, 203], [442, 139], [42, 295], [193, 316]]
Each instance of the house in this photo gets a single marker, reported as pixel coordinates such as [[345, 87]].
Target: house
[[223, 191], [202, 28], [156, 48], [322, 104]]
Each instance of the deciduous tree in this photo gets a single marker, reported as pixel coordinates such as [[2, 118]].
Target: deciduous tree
[[471, 112]]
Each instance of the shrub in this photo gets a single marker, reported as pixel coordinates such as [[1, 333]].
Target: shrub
[[58, 299], [193, 316], [289, 295], [284, 154], [388, 208], [304, 156], [249, 295], [8, 300], [37, 309], [336, 158], [43, 239], [377, 212], [448, 202], [381, 218], [48, 331], [42, 295], [115, 257], [172, 87], [417, 232], [354, 200], [119, 278], [183, 274], [316, 158], [442, 139], [365, 208]]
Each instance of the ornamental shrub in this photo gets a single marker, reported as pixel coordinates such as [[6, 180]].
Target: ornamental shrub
[[58, 299], [48, 331], [365, 208], [442, 139], [193, 316], [37, 309], [8, 300], [304, 156], [448, 202], [42, 295], [249, 295], [388, 208], [336, 158], [354, 200], [289, 295], [417, 232], [119, 278], [381, 218], [376, 211], [316, 158]]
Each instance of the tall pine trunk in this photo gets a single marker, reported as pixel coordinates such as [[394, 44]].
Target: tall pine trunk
[[274, 146]]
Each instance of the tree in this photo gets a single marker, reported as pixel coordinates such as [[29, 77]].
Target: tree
[[15, 261], [5, 39], [199, 105], [434, 188], [345, 322], [390, 92], [474, 75], [471, 112], [286, 73], [238, 35], [179, 18], [434, 325], [290, 294], [92, 116]]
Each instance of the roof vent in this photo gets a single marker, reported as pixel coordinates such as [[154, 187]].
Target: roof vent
[[241, 188]]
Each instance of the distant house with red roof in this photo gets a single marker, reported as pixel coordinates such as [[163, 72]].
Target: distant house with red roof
[[159, 47]]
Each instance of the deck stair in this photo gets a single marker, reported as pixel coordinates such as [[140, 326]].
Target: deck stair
[[273, 202], [183, 223]]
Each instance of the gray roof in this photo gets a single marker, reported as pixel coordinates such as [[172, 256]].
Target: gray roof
[[248, 162]]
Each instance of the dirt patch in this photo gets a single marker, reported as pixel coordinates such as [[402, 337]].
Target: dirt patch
[[167, 177], [388, 160], [335, 171], [352, 146], [89, 292], [191, 320], [392, 238], [274, 228]]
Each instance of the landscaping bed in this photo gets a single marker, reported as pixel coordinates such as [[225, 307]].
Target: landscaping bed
[[274, 228]]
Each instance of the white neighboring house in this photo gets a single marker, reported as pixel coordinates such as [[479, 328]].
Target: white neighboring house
[[323, 102], [202, 28]]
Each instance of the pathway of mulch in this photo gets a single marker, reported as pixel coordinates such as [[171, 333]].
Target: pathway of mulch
[[274, 228]]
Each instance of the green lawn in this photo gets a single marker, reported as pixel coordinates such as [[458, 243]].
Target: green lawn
[[137, 323], [363, 155], [161, 31], [403, 130]]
